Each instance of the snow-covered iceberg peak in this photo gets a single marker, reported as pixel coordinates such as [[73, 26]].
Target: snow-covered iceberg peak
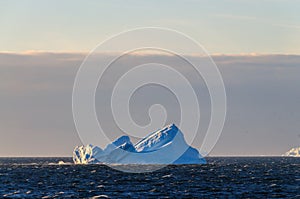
[[165, 146], [294, 152], [122, 142], [157, 139]]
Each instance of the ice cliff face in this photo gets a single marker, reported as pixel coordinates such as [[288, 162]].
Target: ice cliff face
[[165, 146], [294, 152]]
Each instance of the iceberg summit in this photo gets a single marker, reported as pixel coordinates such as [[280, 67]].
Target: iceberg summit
[[165, 146]]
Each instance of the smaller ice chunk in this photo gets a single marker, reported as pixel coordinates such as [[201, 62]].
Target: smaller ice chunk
[[294, 152], [86, 154]]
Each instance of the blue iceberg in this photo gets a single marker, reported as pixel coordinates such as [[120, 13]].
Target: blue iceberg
[[165, 146]]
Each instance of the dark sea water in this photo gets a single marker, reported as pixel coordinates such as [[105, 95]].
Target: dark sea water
[[251, 177]]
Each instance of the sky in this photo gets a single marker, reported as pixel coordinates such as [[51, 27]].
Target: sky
[[255, 44], [226, 26]]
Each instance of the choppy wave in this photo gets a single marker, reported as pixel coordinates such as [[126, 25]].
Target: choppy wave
[[263, 177]]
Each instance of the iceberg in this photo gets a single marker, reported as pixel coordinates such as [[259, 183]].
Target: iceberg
[[165, 146], [294, 152]]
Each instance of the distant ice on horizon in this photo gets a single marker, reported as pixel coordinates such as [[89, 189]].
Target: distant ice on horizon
[[293, 152], [165, 146]]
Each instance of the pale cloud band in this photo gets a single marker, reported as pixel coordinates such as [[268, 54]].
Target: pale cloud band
[[36, 88]]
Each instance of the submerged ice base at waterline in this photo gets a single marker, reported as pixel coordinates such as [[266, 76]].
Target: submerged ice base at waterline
[[165, 146]]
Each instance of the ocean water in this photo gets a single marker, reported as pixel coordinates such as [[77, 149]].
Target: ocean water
[[251, 177]]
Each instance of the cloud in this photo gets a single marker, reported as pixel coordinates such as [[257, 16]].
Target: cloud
[[235, 17], [262, 89], [286, 25]]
